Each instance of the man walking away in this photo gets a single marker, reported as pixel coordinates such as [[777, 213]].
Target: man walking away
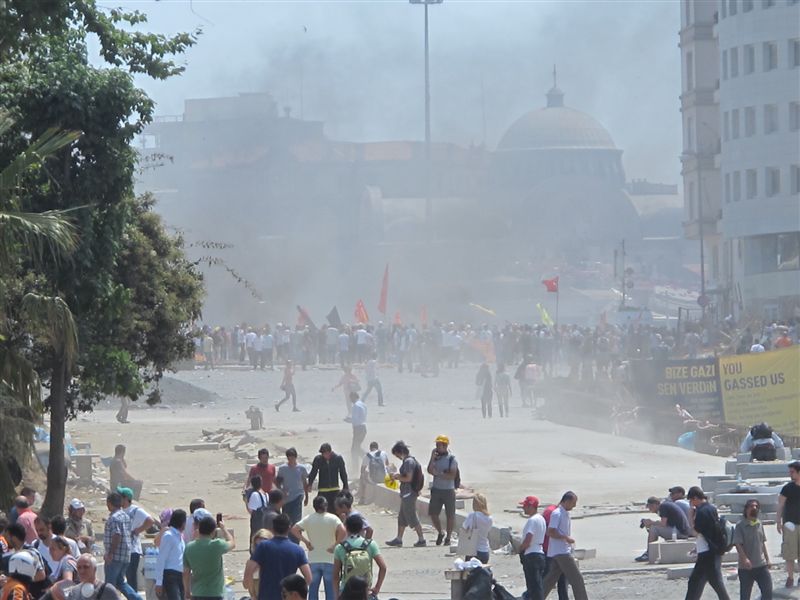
[[560, 549], [275, 559], [330, 467], [531, 549], [708, 568], [287, 385], [140, 522], [751, 546], [320, 531], [788, 521], [354, 558], [371, 374], [359, 423], [117, 542]]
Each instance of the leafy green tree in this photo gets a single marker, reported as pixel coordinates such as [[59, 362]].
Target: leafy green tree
[[130, 290]]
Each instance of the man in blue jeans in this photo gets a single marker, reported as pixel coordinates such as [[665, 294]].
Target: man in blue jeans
[[320, 532], [117, 542]]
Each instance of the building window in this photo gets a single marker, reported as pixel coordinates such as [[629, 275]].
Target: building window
[[734, 62], [788, 251], [749, 59], [725, 126], [794, 54], [724, 64], [770, 56], [771, 253], [737, 186], [689, 71], [794, 173], [772, 181], [735, 124], [732, 6], [770, 118], [747, 5], [767, 3], [751, 183], [727, 188], [794, 116], [749, 121]]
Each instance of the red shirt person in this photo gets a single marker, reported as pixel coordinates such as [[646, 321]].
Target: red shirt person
[[264, 470]]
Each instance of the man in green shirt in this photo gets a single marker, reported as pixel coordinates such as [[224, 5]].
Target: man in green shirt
[[354, 557], [203, 575]]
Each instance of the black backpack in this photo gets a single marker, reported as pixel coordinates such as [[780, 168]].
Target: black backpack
[[257, 516], [418, 478], [457, 480], [762, 431]]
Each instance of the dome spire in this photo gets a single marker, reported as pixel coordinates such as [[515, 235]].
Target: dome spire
[[555, 97]]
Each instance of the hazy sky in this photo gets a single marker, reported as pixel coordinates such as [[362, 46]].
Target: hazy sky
[[360, 66]]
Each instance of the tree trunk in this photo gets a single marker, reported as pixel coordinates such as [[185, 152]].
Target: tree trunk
[[56, 468]]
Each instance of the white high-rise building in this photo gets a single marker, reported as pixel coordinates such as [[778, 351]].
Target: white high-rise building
[[741, 160]]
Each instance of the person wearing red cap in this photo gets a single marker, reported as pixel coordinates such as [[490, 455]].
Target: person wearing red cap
[[560, 549], [531, 552]]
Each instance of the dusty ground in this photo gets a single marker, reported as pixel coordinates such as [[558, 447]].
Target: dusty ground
[[505, 458]]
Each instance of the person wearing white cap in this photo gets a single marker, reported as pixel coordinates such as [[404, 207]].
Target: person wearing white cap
[[79, 528]]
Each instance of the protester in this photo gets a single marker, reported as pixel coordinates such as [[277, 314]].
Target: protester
[[678, 495], [483, 381], [141, 521], [354, 557], [120, 476], [29, 494], [292, 480], [320, 532], [197, 511], [26, 517], [287, 385], [502, 389], [344, 508], [79, 528], [349, 384], [203, 575], [761, 442], [169, 565], [331, 468], [374, 469], [788, 521], [260, 536], [257, 502], [22, 568], [444, 468], [15, 536], [751, 549], [263, 469], [708, 566], [373, 382], [276, 558], [358, 419], [673, 523], [117, 542], [560, 549], [88, 586], [294, 587], [478, 524], [409, 476], [532, 552]]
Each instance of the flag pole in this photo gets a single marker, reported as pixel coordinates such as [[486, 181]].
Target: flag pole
[[558, 293]]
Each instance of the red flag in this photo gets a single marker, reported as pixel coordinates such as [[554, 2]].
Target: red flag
[[397, 319], [423, 317], [384, 291], [551, 284], [361, 312]]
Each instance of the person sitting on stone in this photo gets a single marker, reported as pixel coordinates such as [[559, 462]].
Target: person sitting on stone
[[761, 442], [673, 522], [119, 475]]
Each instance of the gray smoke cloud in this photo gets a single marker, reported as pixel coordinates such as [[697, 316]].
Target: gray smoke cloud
[[357, 66]]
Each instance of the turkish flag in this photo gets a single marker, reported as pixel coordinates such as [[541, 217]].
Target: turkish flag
[[551, 284], [361, 312], [384, 291]]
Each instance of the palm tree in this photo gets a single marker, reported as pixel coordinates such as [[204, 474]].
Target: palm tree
[[31, 237]]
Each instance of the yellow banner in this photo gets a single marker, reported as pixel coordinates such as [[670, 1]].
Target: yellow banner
[[762, 387]]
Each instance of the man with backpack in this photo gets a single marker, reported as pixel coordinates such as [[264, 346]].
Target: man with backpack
[[444, 468], [711, 545], [354, 558], [761, 442], [412, 480], [374, 468]]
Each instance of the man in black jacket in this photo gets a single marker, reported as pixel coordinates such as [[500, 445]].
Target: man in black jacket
[[708, 568], [330, 467]]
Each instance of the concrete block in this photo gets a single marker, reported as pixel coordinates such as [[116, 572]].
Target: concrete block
[[769, 502], [679, 572], [730, 467], [796, 453], [200, 446], [762, 470], [669, 552], [709, 482]]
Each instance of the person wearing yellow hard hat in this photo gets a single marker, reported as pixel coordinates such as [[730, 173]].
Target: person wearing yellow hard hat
[[444, 468]]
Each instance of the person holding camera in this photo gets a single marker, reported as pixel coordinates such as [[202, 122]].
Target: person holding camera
[[444, 468], [672, 525]]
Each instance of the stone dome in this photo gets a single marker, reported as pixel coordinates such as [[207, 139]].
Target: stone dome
[[556, 127]]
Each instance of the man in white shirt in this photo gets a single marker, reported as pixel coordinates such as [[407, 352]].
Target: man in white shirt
[[531, 550], [249, 344], [320, 532], [374, 468], [371, 374], [359, 422], [169, 565], [560, 549], [140, 522], [258, 346]]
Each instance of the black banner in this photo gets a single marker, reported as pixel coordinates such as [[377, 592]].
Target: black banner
[[692, 383]]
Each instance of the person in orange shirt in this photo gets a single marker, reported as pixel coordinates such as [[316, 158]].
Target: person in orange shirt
[[784, 341]]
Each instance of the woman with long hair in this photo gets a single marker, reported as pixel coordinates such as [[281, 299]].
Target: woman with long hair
[[479, 523]]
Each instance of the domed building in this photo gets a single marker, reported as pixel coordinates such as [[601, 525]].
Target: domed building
[[559, 178]]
